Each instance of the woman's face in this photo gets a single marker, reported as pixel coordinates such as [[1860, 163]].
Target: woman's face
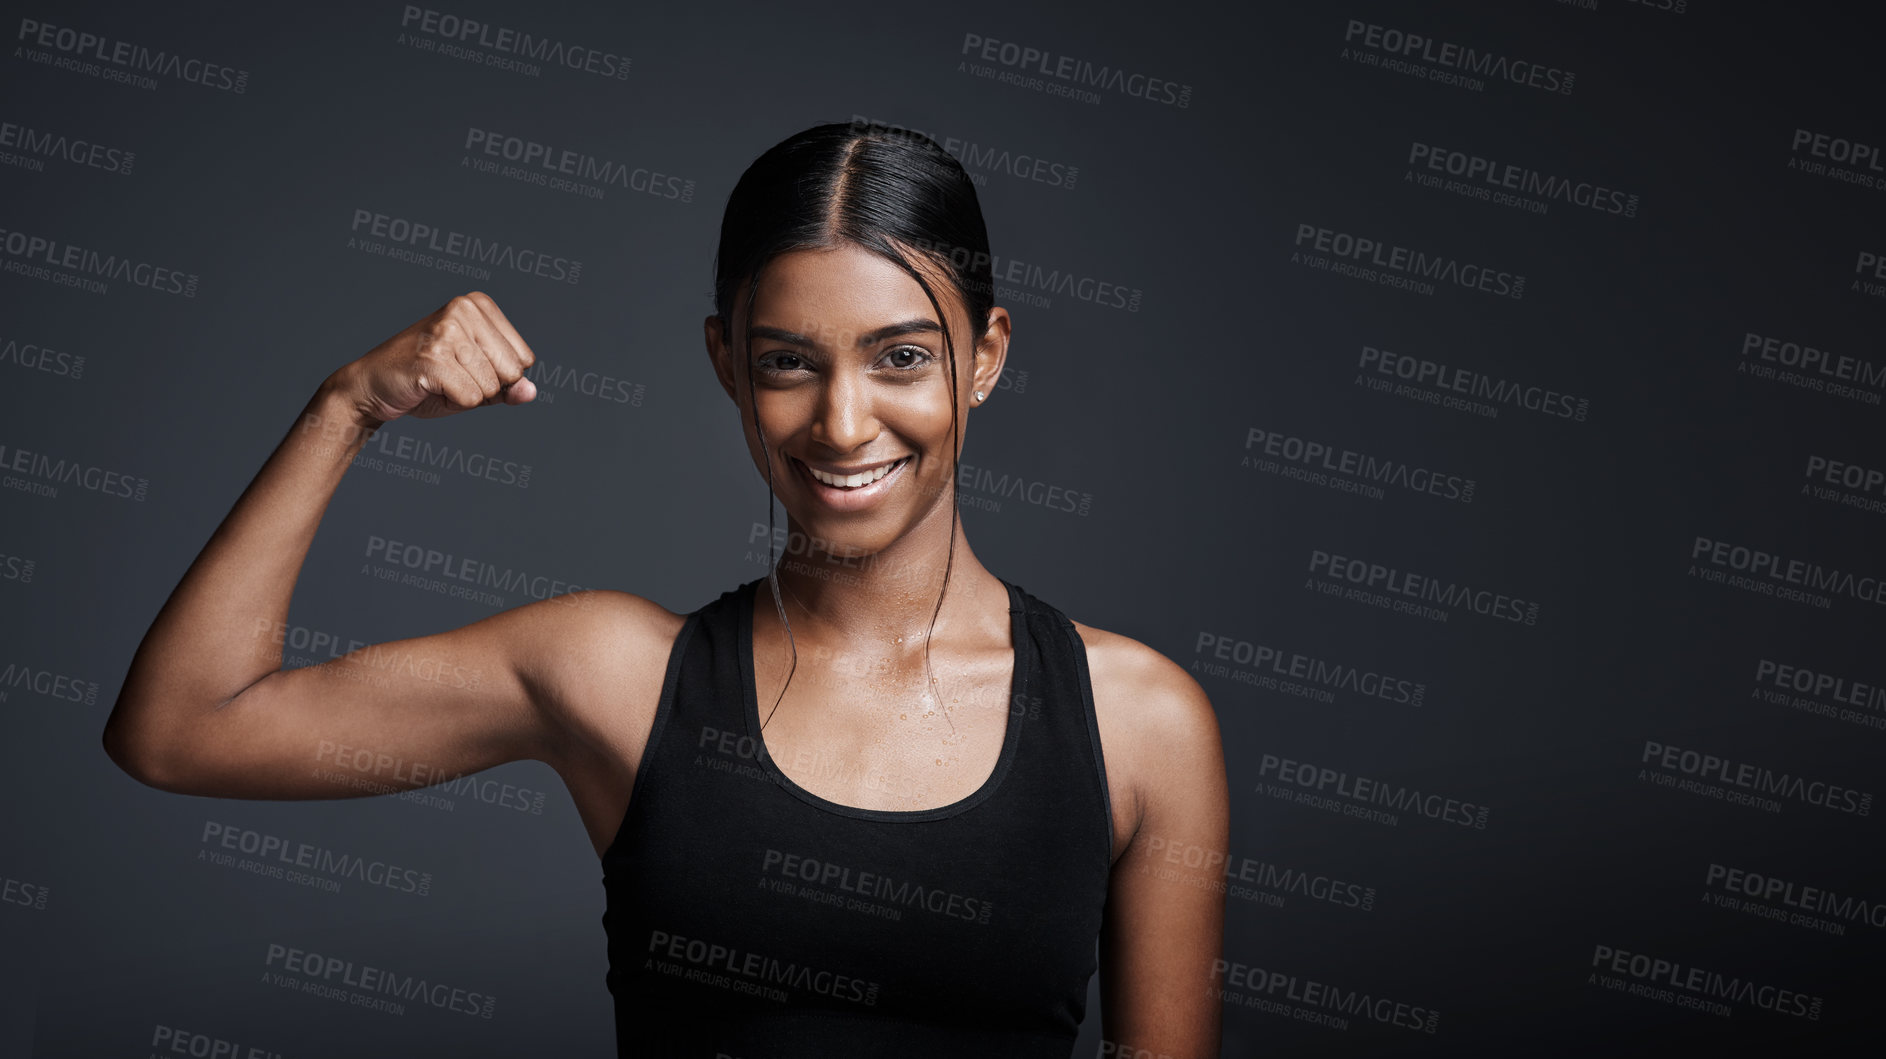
[[850, 375]]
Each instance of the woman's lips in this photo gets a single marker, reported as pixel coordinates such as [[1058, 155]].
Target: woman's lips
[[852, 499]]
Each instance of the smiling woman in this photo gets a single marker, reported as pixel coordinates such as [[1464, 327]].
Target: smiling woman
[[903, 363], [955, 792]]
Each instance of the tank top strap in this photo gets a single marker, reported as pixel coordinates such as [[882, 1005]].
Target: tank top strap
[[1060, 761]]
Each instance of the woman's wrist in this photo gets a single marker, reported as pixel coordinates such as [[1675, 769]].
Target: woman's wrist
[[334, 416]]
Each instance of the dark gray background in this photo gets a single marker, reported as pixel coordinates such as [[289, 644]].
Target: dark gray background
[[1147, 411]]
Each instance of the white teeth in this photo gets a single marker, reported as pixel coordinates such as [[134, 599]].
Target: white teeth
[[852, 481]]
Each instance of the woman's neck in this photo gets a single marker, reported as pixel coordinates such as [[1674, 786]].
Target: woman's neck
[[888, 597]]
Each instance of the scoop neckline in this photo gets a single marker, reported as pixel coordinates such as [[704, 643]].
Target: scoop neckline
[[1011, 732]]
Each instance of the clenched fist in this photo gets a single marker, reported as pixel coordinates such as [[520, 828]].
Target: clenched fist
[[464, 355]]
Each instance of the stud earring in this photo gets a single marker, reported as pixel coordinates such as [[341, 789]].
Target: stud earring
[[978, 395]]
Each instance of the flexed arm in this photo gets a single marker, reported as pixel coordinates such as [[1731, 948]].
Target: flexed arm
[[206, 707]]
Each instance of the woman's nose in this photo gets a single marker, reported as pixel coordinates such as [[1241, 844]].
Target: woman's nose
[[843, 420]]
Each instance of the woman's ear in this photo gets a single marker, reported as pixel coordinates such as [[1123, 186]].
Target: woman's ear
[[992, 350]]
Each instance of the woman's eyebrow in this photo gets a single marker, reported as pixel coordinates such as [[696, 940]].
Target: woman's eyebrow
[[915, 325]]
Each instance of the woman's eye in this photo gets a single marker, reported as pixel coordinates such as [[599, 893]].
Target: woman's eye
[[903, 358], [920, 356]]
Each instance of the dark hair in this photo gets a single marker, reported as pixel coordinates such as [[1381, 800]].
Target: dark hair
[[888, 190]]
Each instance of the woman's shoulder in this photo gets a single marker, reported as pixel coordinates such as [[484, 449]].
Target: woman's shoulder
[[595, 660], [594, 639], [607, 612], [1144, 688], [1134, 679], [1158, 732]]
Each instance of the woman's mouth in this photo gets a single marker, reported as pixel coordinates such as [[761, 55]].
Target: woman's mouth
[[838, 492]]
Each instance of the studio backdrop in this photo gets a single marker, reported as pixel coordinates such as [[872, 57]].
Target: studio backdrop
[[1482, 402]]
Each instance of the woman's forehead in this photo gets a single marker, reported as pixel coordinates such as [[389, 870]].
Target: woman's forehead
[[847, 288]]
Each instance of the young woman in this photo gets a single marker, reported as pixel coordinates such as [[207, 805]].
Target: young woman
[[953, 791]]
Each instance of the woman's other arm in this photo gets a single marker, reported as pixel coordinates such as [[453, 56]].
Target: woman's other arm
[[1163, 933]]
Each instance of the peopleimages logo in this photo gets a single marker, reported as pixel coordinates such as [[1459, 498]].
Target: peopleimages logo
[[385, 446], [1712, 776], [358, 763], [1270, 883], [1846, 483], [278, 857], [990, 487], [1307, 460], [458, 32], [1443, 58], [22, 893], [431, 247], [1826, 686], [1798, 902], [1870, 264], [1322, 784], [39, 144], [1706, 986], [1021, 280], [17, 568], [905, 893], [174, 1041], [43, 474], [553, 376], [547, 165], [1420, 377], [1362, 257], [1798, 364], [1505, 184], [750, 972], [1770, 574], [35, 357], [1319, 1002], [361, 660], [980, 159], [1030, 283], [1267, 663], [1022, 60], [19, 676], [41, 257], [460, 572], [139, 60], [1837, 158], [1387, 579], [366, 986]]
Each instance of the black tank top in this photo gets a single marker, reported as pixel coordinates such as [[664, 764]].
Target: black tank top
[[749, 918]]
